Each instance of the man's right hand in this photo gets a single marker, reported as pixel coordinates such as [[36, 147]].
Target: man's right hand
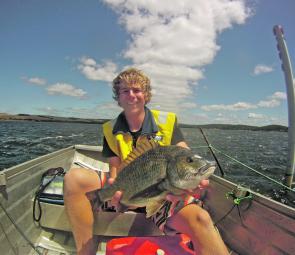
[[117, 197]]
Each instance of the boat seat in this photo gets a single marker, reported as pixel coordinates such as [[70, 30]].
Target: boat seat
[[105, 223], [53, 215]]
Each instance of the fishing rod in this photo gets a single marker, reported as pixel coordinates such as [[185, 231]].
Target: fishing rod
[[213, 154]]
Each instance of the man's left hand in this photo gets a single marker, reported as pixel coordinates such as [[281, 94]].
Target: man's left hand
[[195, 193]]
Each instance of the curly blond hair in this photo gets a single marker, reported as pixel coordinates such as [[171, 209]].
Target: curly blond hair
[[131, 77]]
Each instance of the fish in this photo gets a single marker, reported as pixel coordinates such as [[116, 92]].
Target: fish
[[151, 172]]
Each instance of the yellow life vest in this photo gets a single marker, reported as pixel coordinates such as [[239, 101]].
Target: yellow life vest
[[122, 143]]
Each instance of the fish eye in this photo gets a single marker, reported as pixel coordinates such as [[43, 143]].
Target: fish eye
[[189, 160]]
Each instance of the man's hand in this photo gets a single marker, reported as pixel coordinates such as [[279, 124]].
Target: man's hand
[[117, 197], [195, 193]]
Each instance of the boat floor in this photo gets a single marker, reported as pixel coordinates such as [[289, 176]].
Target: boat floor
[[56, 242]]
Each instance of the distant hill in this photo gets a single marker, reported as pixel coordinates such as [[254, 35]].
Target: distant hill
[[47, 118], [239, 127]]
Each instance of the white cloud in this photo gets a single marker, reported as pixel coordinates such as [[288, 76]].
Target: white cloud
[[88, 61], [260, 69], [272, 101], [66, 90], [35, 80], [279, 96], [110, 111], [188, 105], [253, 115], [49, 111], [93, 71], [232, 107], [171, 41], [269, 103]]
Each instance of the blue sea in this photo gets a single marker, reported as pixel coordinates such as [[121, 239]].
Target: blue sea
[[266, 152]]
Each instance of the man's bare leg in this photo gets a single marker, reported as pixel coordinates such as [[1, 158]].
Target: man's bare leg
[[197, 224], [77, 182]]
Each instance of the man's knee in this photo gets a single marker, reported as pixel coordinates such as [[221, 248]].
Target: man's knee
[[203, 218], [73, 180], [198, 216], [80, 180]]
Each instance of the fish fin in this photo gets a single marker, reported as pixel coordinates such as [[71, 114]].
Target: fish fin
[[153, 207], [138, 151], [149, 192], [94, 198], [122, 208]]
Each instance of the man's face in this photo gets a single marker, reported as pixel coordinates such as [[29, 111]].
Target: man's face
[[131, 97]]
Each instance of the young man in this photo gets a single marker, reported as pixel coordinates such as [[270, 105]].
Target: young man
[[136, 123]]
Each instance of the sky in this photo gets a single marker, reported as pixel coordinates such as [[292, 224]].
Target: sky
[[210, 61]]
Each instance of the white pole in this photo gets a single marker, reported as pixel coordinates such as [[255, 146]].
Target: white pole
[[290, 83]]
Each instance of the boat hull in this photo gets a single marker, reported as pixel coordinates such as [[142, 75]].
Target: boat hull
[[264, 226]]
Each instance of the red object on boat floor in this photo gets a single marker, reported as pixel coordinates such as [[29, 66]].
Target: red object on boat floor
[[170, 245]]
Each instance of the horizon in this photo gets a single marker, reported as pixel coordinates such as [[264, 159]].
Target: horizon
[[95, 119], [209, 61]]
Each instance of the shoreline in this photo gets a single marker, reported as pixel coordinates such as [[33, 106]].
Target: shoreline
[[48, 118]]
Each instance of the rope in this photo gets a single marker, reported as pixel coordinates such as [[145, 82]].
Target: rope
[[252, 169], [223, 217], [8, 240], [19, 230], [53, 173]]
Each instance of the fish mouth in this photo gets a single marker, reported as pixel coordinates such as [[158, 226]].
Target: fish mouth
[[208, 168]]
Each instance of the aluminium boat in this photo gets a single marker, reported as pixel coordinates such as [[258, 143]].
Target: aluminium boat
[[248, 222]]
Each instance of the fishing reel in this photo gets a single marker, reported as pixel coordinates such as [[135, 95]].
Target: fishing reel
[[239, 194]]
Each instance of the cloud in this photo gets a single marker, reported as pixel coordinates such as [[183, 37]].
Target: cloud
[[35, 80], [232, 107], [253, 115], [66, 90], [171, 41], [93, 71], [48, 110], [260, 69], [272, 101], [269, 103], [279, 96], [110, 111]]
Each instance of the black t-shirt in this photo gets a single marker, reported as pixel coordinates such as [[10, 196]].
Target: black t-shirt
[[177, 137]]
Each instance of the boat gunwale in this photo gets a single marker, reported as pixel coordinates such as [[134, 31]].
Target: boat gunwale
[[259, 198], [27, 165]]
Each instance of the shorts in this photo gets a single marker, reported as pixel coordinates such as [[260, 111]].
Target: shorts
[[168, 210], [102, 176]]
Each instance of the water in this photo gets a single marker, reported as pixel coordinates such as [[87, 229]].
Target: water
[[22, 141], [263, 151]]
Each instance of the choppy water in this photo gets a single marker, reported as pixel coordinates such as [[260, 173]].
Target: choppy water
[[263, 151]]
